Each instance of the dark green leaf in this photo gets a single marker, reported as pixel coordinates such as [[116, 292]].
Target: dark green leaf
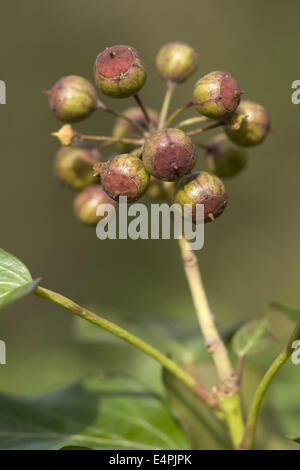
[[295, 438], [293, 314], [101, 413], [252, 338], [15, 279]]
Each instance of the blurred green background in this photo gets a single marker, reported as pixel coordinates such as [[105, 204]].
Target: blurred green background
[[251, 253]]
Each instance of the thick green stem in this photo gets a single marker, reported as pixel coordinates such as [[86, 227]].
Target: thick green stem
[[231, 407], [166, 104], [280, 360], [116, 330], [214, 343], [228, 392]]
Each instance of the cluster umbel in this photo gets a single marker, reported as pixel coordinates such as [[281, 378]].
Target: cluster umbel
[[154, 158]]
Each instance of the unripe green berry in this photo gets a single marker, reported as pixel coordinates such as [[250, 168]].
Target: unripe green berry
[[87, 201], [119, 71], [202, 188], [74, 166], [169, 154], [72, 98], [176, 61], [125, 175], [124, 128], [157, 190], [249, 124], [216, 95], [224, 158]]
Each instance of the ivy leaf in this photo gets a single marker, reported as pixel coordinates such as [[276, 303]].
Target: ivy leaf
[[97, 413], [15, 279], [252, 338], [292, 314]]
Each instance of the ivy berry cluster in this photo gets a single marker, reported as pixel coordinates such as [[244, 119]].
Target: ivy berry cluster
[[154, 155]]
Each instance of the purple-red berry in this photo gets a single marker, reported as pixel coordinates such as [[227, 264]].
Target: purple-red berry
[[125, 175], [216, 95], [202, 188], [169, 154], [119, 71]]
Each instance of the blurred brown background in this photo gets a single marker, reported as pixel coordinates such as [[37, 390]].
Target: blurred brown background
[[251, 253]]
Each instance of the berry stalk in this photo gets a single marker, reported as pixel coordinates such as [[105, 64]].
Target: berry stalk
[[116, 113], [177, 112], [144, 110], [191, 121], [207, 128], [166, 104], [102, 138]]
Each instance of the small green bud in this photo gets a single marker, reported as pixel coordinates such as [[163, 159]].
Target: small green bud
[[124, 128], [125, 175], [119, 71], [216, 95], [169, 154], [224, 158], [249, 125], [202, 188], [87, 201], [74, 166], [176, 61], [72, 98]]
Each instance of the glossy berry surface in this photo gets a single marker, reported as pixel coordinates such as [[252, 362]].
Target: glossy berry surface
[[176, 61], [125, 175], [169, 154], [74, 166], [249, 125], [119, 71], [87, 201], [72, 98], [202, 188], [216, 95]]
